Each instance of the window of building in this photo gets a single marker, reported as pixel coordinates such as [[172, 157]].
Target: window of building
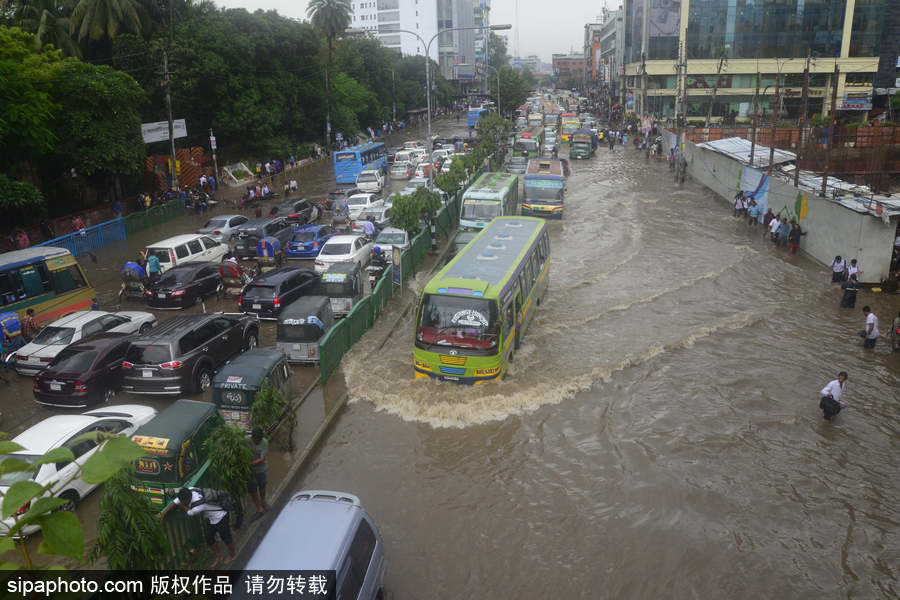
[[389, 16], [388, 4]]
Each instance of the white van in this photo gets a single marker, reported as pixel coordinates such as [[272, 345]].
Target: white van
[[370, 180], [406, 156], [186, 248]]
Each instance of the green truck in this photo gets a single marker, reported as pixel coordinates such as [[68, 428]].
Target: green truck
[[582, 145]]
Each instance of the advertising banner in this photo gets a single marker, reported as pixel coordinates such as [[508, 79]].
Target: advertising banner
[[159, 132]]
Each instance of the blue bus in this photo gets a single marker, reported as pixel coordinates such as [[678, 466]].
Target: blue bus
[[351, 162], [475, 114], [545, 188]]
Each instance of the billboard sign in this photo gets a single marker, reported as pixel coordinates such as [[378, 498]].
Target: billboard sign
[[159, 132], [856, 101]]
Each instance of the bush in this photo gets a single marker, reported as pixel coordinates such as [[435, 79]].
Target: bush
[[229, 457], [268, 405]]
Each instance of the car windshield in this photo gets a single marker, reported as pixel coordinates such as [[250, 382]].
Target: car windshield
[[140, 354], [335, 249], [462, 322], [394, 239], [7, 479], [480, 210], [74, 361], [260, 291], [305, 333], [358, 201], [215, 224], [161, 253], [173, 277], [304, 236], [55, 335], [366, 177]]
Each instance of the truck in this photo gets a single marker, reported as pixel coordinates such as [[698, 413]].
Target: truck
[[582, 145]]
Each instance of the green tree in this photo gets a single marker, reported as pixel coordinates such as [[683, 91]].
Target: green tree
[[128, 533], [268, 406], [49, 21], [407, 211], [331, 17], [95, 20], [229, 457], [20, 201], [513, 89], [497, 51]]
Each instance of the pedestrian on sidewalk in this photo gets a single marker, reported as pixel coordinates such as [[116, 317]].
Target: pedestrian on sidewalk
[[753, 213], [216, 520], [850, 287], [838, 268], [870, 333], [831, 403], [783, 230], [794, 236], [259, 449]]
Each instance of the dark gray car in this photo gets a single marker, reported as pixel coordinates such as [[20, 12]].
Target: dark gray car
[[247, 235]]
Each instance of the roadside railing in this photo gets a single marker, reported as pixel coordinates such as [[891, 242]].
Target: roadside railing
[[183, 533]]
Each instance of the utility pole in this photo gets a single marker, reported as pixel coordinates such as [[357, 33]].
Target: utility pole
[[394, 95], [755, 115], [774, 123], [643, 87], [680, 115], [801, 123], [834, 84], [715, 89], [168, 83], [212, 145]]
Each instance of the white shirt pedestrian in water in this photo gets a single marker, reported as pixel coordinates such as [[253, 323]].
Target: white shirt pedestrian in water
[[871, 333], [773, 226], [853, 269], [831, 403]]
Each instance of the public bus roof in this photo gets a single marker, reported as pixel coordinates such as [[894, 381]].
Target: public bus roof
[[361, 147], [18, 258], [489, 259], [491, 184], [544, 166]]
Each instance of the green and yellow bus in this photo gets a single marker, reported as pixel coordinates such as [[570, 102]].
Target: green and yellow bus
[[473, 313], [492, 195], [45, 278]]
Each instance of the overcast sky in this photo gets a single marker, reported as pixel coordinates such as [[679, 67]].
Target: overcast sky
[[545, 26]]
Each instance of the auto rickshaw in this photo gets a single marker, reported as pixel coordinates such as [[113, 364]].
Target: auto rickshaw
[[174, 442], [233, 279], [269, 255], [134, 281], [10, 337], [342, 283], [236, 384], [301, 325]]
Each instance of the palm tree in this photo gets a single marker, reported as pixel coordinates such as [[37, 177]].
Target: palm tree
[[48, 20], [98, 19], [331, 17]]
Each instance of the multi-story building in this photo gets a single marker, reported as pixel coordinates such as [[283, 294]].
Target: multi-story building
[[385, 18], [611, 44], [568, 70], [714, 48]]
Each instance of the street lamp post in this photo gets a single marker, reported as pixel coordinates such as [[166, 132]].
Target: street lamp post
[[428, 141], [497, 72]]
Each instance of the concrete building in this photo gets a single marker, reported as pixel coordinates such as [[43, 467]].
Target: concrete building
[[726, 42], [568, 70], [612, 52]]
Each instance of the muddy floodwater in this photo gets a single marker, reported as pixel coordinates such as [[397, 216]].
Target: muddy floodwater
[[658, 436]]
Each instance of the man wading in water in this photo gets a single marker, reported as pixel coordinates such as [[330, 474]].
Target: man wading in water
[[831, 403]]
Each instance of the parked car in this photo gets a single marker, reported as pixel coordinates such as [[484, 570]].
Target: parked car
[[84, 373], [407, 156], [308, 240], [445, 166], [413, 184], [390, 238], [341, 193], [248, 235], [338, 536], [402, 169], [412, 145], [220, 228], [517, 164], [182, 354], [270, 292], [344, 248], [420, 154], [36, 355], [459, 242], [380, 215], [61, 431], [187, 248], [423, 169], [184, 285], [442, 154], [370, 180], [361, 202], [297, 211]]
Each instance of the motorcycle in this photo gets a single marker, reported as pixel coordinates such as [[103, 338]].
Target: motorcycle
[[134, 282], [376, 268]]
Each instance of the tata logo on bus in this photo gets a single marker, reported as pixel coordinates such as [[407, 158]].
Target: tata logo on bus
[[469, 317]]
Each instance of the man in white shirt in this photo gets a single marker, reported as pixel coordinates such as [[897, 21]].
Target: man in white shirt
[[215, 520], [871, 332], [773, 228], [831, 396]]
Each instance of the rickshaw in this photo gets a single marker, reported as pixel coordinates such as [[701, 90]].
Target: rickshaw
[[301, 325], [233, 279], [342, 283], [269, 255], [10, 338], [134, 281], [174, 441], [236, 384]]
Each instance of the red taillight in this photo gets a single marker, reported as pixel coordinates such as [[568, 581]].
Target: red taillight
[[277, 301], [148, 293], [239, 301], [36, 387], [312, 351], [21, 357], [172, 256], [23, 509], [217, 233], [174, 364], [347, 305], [293, 215], [46, 359], [80, 386], [316, 244], [177, 293], [126, 364]]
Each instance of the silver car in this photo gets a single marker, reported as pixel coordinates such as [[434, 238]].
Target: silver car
[[222, 227]]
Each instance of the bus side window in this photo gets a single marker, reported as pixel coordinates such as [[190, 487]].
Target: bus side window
[[68, 279], [523, 281], [7, 294], [508, 319]]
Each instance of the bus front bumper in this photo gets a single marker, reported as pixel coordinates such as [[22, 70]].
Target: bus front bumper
[[423, 374]]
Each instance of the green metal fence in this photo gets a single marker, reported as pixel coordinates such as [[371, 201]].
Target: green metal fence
[[157, 215], [338, 341], [185, 534]]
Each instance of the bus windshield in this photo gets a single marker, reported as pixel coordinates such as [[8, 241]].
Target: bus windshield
[[543, 190], [480, 210], [460, 322]]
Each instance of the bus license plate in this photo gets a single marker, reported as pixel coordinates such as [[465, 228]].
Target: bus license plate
[[55, 387], [451, 378], [147, 373], [257, 306]]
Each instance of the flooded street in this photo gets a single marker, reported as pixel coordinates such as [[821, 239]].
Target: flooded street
[[659, 434]]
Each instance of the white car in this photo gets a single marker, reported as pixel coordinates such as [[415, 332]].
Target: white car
[[389, 238], [344, 248], [222, 227], [185, 249], [402, 170], [413, 145], [415, 183], [59, 431], [360, 202], [420, 154], [380, 215], [370, 180], [33, 357]]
